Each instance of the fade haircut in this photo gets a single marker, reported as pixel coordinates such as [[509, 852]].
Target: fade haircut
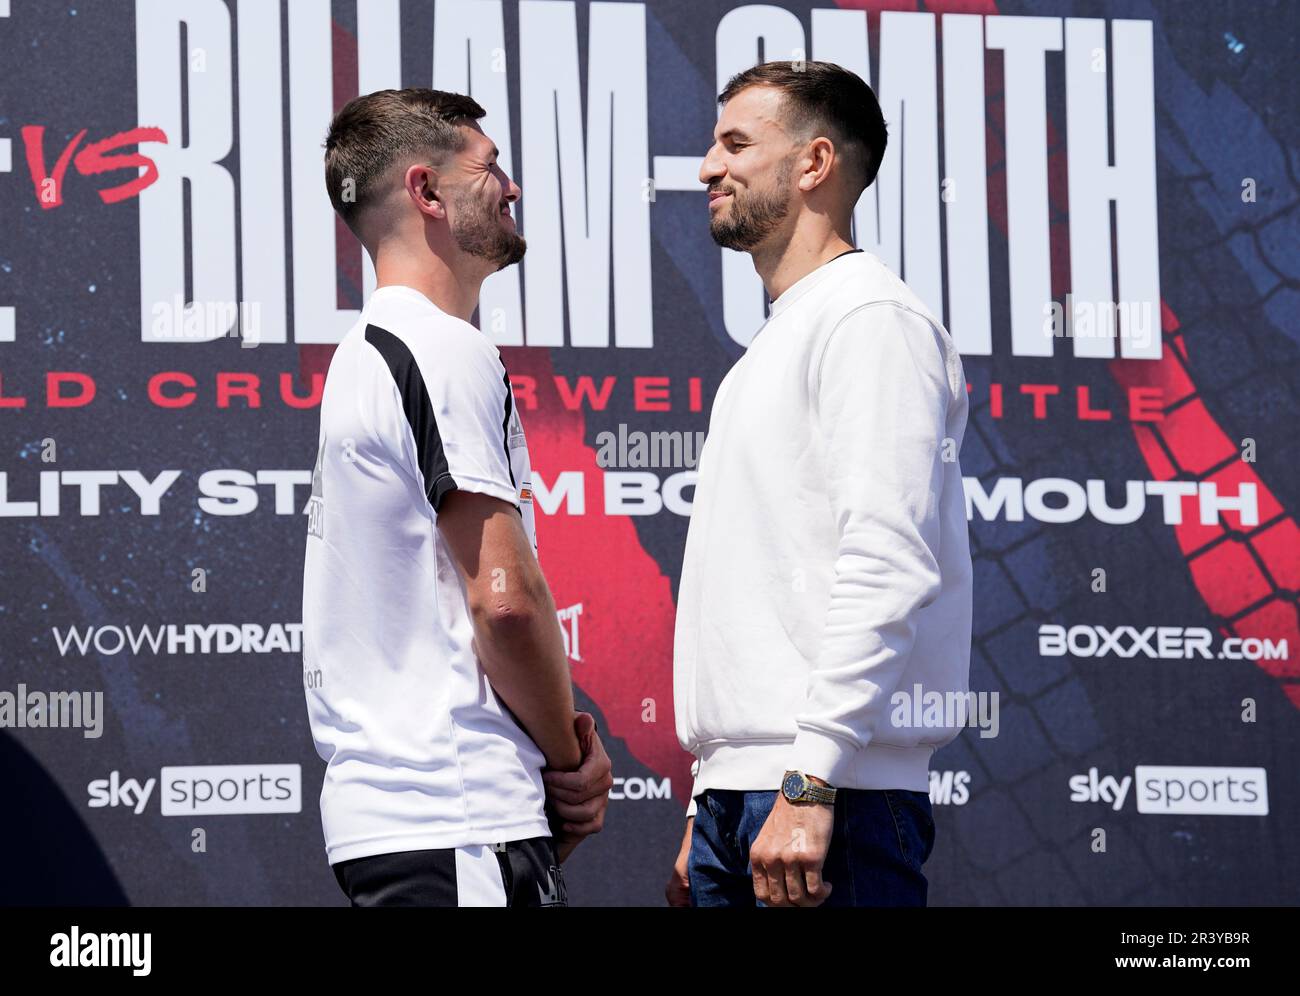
[[823, 99], [378, 129]]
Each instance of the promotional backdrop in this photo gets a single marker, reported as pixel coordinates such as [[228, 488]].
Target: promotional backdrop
[[1099, 198]]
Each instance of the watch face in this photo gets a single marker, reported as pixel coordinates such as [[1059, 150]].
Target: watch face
[[792, 787]]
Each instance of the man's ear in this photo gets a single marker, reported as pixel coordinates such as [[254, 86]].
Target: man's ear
[[821, 153], [422, 187]]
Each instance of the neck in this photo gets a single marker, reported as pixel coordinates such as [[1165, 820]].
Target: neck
[[450, 281], [783, 261]]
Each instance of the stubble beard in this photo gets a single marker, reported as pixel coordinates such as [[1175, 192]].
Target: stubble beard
[[755, 217], [478, 232]]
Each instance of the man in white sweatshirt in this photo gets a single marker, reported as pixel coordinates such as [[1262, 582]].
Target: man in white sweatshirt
[[826, 583]]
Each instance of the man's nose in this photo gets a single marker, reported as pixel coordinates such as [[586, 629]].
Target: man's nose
[[710, 168]]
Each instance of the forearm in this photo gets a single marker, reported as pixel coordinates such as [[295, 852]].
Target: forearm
[[868, 637], [522, 653]]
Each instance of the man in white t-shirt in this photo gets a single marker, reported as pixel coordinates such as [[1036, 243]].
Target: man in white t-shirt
[[457, 770]]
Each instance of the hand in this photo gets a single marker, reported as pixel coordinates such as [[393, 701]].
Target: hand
[[678, 890], [789, 852], [577, 799]]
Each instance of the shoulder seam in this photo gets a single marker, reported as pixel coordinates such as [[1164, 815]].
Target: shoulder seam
[[821, 358]]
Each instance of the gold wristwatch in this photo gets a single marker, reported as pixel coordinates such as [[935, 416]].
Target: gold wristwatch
[[798, 787]]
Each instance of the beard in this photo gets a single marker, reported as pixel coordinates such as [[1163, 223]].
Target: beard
[[477, 231], [755, 217]]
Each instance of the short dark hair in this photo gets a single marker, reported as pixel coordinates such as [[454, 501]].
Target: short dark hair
[[373, 131], [822, 98]]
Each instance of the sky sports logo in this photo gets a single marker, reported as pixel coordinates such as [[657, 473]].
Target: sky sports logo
[[206, 790], [1167, 643], [1177, 790]]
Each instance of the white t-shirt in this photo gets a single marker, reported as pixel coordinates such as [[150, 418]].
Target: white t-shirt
[[420, 753]]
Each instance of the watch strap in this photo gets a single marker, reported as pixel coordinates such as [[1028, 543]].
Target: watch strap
[[819, 793]]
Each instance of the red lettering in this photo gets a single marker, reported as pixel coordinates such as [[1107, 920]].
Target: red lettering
[[650, 394], [1146, 404], [1039, 392], [54, 381], [525, 392], [17, 401], [34, 143], [1086, 412], [292, 400], [572, 399], [91, 161], [238, 385], [183, 400]]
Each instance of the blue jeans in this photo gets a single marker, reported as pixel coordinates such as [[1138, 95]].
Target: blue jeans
[[880, 839]]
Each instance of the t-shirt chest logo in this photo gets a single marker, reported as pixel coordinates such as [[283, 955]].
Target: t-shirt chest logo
[[515, 429], [316, 503]]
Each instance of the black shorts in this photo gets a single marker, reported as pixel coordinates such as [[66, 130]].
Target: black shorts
[[517, 873]]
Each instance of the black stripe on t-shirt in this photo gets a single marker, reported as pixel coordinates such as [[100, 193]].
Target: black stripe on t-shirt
[[419, 412], [505, 429]]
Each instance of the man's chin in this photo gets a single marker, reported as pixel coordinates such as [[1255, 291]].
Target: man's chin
[[514, 254], [726, 237]]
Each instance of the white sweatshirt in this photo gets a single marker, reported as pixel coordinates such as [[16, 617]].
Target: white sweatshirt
[[827, 565]]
